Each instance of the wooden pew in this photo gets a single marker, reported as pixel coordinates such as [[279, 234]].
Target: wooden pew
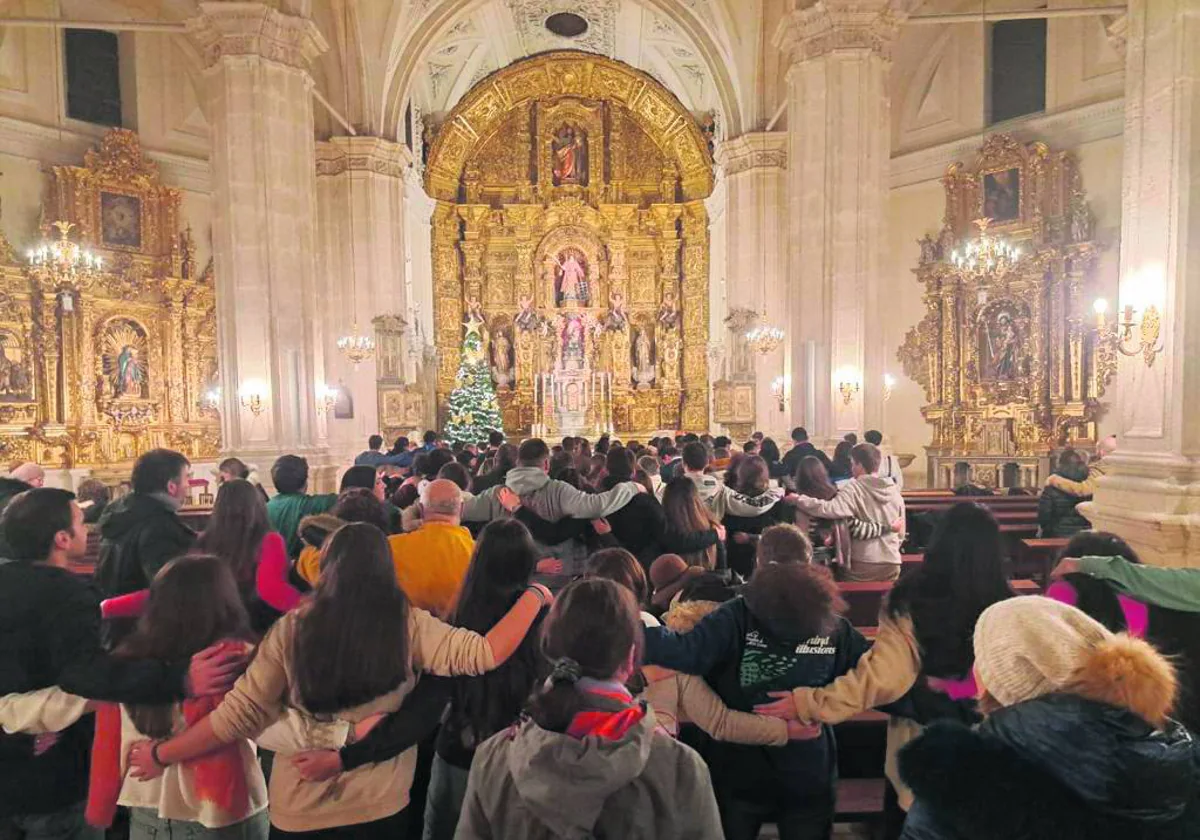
[[863, 599], [1039, 556]]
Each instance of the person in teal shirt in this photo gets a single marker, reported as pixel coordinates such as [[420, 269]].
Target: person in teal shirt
[[290, 476]]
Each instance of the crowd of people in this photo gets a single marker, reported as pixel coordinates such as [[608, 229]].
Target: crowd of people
[[585, 639]]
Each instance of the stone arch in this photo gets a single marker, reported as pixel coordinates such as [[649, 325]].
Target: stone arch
[[655, 110]]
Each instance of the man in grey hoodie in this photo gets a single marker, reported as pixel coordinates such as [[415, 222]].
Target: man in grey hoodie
[[552, 500], [869, 498]]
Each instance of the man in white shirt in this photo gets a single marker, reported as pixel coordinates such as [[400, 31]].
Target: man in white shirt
[[889, 465]]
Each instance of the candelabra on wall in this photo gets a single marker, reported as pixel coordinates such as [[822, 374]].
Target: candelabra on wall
[[889, 385], [253, 396], [849, 384], [1148, 343]]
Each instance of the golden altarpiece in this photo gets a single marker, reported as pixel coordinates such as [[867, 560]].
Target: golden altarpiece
[[1007, 357], [570, 220], [100, 366]]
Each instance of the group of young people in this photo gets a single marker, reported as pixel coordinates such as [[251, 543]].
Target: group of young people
[[584, 640]]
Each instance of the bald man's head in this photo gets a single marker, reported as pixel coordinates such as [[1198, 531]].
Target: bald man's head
[[441, 501], [30, 473]]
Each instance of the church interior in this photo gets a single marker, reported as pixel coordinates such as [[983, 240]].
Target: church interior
[[965, 231], [669, 215]]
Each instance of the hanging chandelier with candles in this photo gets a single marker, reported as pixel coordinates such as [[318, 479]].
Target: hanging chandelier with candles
[[356, 346], [64, 263], [987, 255], [764, 338]]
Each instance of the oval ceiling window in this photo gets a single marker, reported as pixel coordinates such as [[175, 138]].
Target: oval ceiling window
[[566, 24]]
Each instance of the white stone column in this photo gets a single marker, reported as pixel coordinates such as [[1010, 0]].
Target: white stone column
[[259, 106], [838, 130], [1151, 495], [754, 166], [361, 226]]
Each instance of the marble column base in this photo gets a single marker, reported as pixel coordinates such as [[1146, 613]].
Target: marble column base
[[1153, 502]]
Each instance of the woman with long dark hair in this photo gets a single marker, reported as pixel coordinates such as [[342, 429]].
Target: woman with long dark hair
[[842, 467], [636, 526], [501, 568], [349, 652], [239, 532], [768, 450], [585, 728], [754, 483], [924, 638], [689, 526]]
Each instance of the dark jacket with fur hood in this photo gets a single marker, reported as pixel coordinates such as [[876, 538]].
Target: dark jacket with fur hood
[[1083, 765]]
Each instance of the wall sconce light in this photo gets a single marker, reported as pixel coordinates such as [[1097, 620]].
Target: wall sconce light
[[253, 396], [326, 397], [778, 391], [1148, 343], [849, 384], [889, 384]]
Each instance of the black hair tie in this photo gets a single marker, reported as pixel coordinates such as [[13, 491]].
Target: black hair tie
[[566, 670]]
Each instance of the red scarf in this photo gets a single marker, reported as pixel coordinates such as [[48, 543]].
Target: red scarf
[[218, 778], [618, 714]]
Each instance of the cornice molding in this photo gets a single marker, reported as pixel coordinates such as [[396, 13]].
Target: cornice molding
[[756, 150], [831, 26], [363, 154], [1062, 130], [224, 29]]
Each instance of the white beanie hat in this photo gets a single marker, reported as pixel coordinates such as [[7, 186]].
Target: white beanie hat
[[1028, 646]]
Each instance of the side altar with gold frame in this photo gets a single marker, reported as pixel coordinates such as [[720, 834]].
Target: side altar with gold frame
[[1011, 370], [570, 219], [101, 366]]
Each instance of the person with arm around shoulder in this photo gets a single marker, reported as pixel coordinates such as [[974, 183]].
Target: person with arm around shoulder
[[584, 725]]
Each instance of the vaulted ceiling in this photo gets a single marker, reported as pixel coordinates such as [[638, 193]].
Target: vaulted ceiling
[[502, 31]]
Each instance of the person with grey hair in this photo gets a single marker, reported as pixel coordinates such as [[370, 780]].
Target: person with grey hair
[[431, 562]]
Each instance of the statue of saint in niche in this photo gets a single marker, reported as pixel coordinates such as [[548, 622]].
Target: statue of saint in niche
[[14, 374], [570, 278], [573, 343], [569, 150], [1002, 357], [124, 361]]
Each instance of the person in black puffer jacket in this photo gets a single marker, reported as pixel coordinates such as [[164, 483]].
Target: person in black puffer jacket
[[1077, 743], [142, 531], [753, 482], [1057, 516]]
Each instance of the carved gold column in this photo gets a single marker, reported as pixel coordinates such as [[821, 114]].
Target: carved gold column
[[174, 344], [447, 300], [695, 316], [669, 383]]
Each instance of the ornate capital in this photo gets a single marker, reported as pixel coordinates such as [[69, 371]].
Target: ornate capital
[[753, 151], [834, 25], [363, 154], [233, 28]]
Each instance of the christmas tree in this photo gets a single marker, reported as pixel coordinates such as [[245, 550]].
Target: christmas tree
[[474, 411]]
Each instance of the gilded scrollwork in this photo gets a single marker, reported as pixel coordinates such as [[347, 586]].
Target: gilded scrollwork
[[92, 375], [1008, 367], [558, 183]]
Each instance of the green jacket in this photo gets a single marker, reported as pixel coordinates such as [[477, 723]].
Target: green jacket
[[287, 509], [1174, 589]]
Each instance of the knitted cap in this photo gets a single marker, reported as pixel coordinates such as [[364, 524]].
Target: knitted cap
[[1029, 646]]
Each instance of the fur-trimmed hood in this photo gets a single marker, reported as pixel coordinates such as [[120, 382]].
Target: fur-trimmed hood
[[1060, 767], [315, 529]]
